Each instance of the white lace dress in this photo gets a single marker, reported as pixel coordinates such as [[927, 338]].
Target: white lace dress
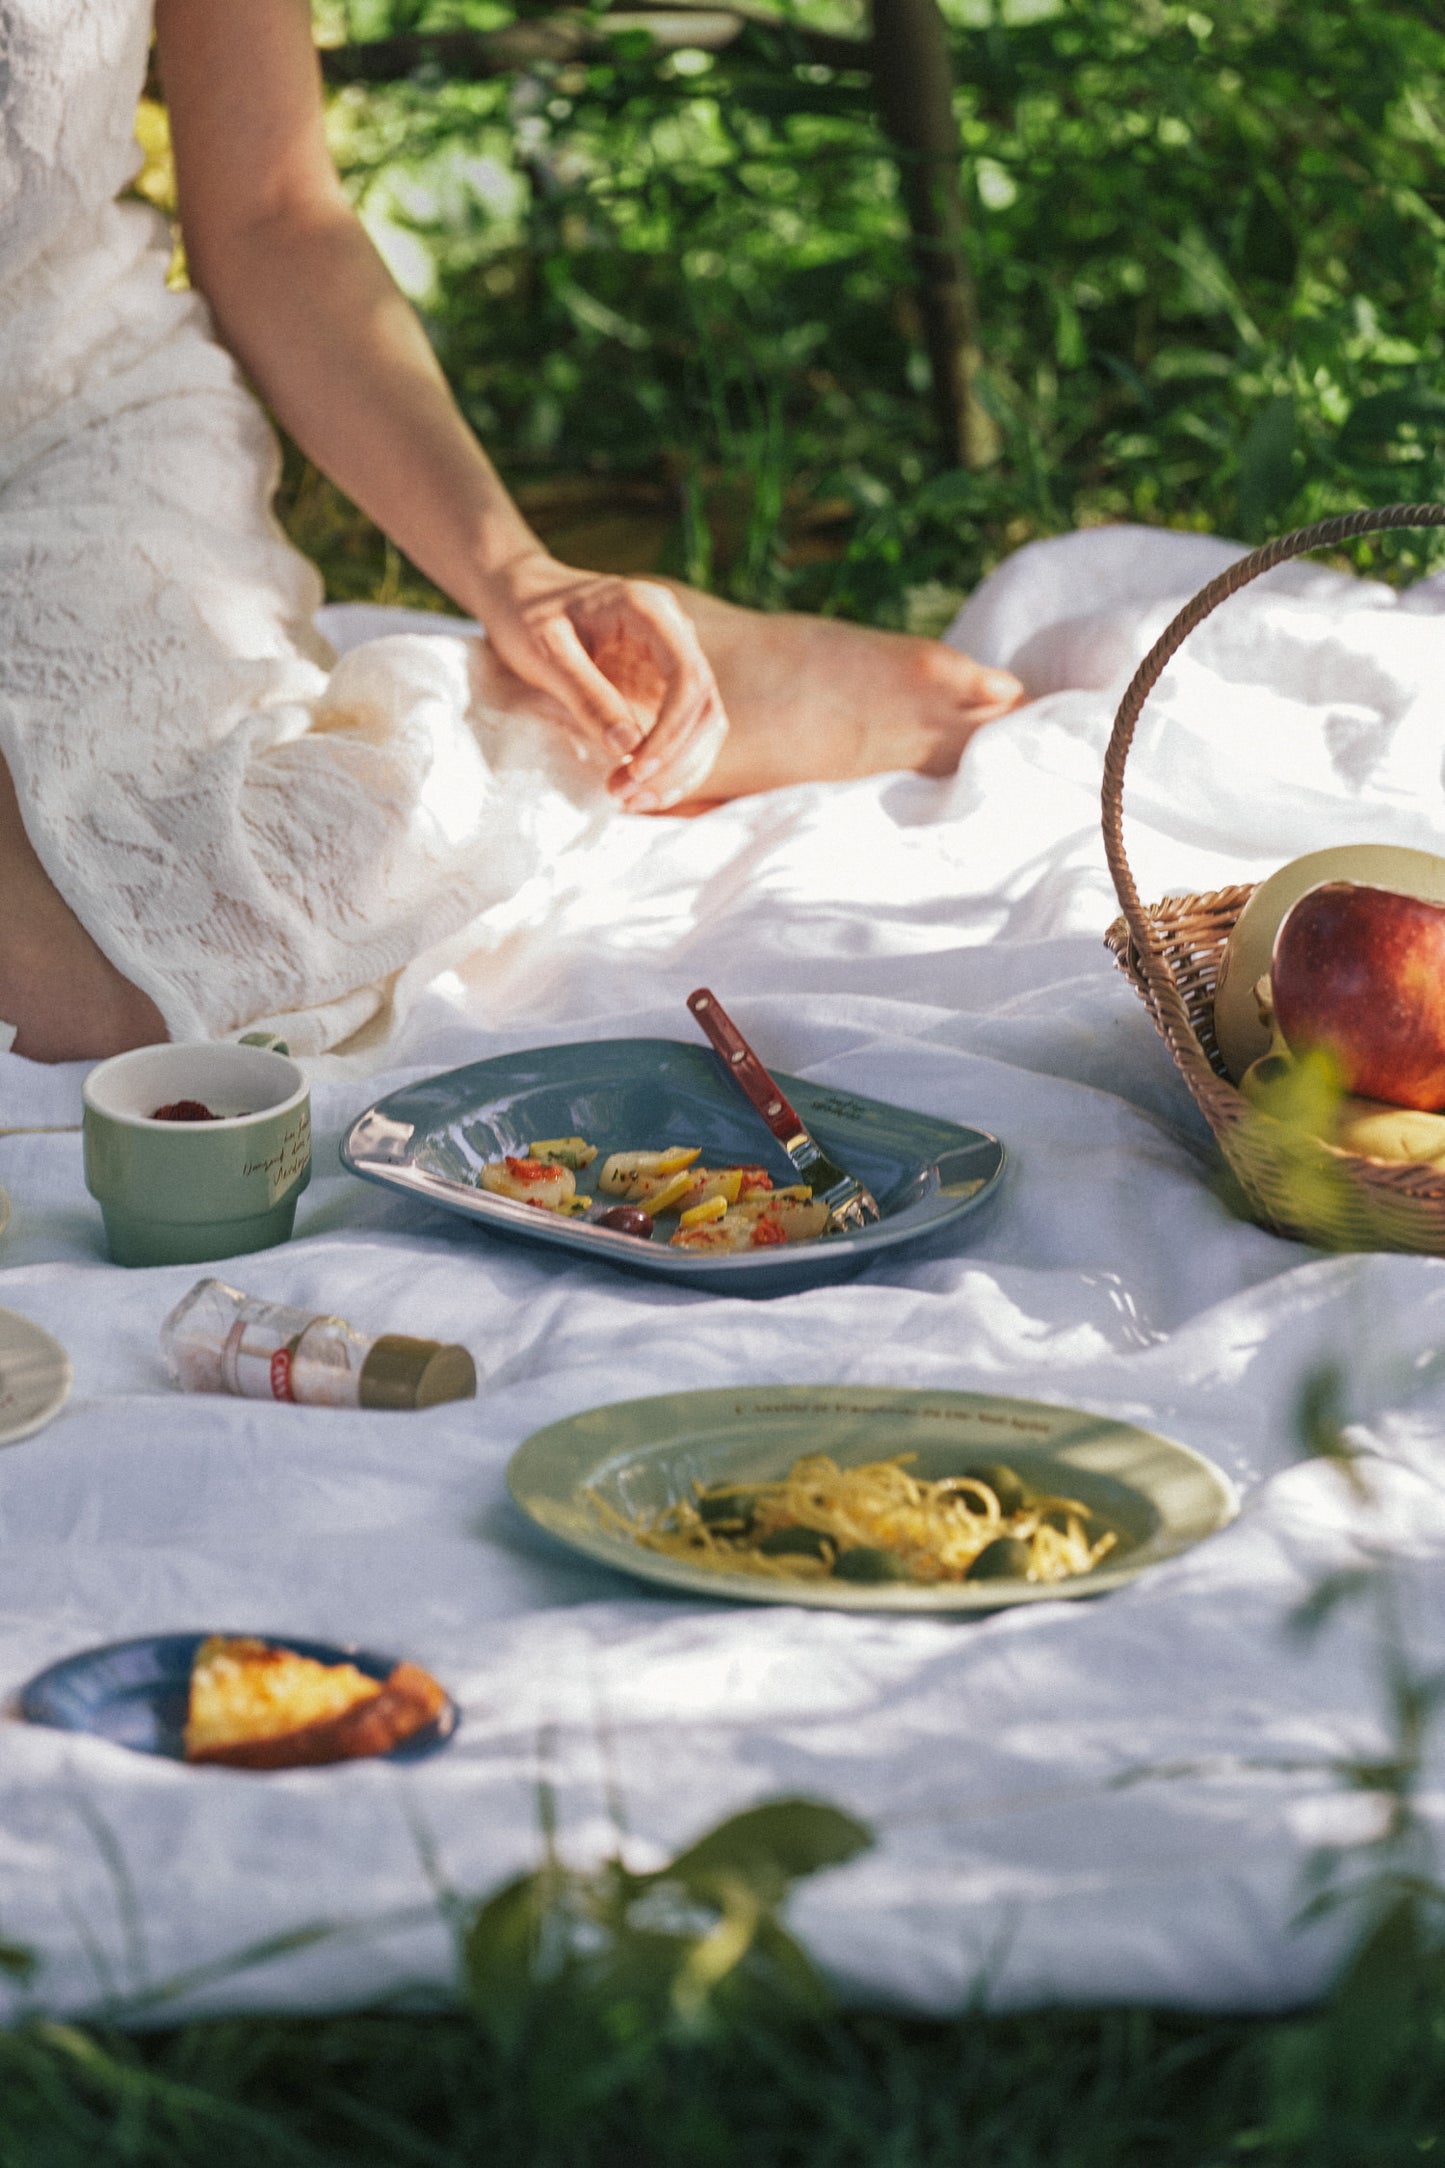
[[249, 829]]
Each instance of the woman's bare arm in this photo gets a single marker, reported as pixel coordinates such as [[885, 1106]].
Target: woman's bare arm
[[305, 303]]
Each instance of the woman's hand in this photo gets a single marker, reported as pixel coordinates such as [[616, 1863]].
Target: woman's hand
[[622, 667], [308, 308]]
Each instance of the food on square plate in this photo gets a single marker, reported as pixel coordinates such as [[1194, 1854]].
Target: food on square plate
[[1360, 973], [656, 1179], [185, 1110], [1239, 1032], [540, 1182], [705, 1193], [626, 1219], [258, 1705], [730, 1183], [719, 1209], [755, 1223], [573, 1152], [876, 1523]]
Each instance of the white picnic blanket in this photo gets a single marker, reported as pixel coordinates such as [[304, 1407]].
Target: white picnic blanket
[[1103, 1801]]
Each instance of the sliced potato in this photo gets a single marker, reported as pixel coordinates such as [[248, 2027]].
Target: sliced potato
[[764, 1225], [788, 1219], [700, 1215], [622, 1169], [529, 1181], [705, 1183], [719, 1235], [659, 1192], [785, 1202], [573, 1152]]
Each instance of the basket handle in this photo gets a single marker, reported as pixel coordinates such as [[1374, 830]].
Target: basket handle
[[1343, 528]]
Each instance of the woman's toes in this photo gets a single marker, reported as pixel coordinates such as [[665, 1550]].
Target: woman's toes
[[980, 691]]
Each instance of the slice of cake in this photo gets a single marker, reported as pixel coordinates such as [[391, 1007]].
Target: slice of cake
[[256, 1706]]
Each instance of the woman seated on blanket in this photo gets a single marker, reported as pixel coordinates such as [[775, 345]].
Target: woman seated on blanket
[[204, 819]]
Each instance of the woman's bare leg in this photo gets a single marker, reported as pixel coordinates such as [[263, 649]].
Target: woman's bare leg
[[811, 699], [67, 1000], [817, 700]]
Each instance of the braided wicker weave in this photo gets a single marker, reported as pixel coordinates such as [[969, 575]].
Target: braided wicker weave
[[1171, 952]]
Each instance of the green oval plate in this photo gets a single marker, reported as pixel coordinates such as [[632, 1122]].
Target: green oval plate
[[644, 1455], [35, 1377]]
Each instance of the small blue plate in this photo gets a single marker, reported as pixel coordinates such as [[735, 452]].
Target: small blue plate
[[135, 1693], [430, 1140]]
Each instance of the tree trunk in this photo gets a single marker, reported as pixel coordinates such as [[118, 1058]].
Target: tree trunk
[[913, 82]]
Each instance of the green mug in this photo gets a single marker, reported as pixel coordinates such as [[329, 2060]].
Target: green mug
[[178, 1192]]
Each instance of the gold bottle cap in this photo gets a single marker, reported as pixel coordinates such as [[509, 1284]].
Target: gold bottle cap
[[400, 1372]]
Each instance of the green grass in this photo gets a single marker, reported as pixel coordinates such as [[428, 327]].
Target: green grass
[[667, 2020], [1059, 2089]]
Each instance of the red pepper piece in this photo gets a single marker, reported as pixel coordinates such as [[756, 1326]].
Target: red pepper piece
[[530, 1170]]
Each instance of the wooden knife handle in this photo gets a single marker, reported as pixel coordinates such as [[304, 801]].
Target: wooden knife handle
[[743, 1065]]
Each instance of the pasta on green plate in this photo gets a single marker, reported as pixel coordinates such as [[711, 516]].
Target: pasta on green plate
[[867, 1498], [876, 1523]]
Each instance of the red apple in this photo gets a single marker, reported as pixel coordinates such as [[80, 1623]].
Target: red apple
[[1361, 972]]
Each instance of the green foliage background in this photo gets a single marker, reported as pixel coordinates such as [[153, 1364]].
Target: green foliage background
[[676, 299]]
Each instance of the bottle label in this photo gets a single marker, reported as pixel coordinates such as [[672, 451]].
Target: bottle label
[[255, 1364]]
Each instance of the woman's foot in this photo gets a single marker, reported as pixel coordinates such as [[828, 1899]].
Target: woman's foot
[[811, 699], [66, 999], [817, 700]]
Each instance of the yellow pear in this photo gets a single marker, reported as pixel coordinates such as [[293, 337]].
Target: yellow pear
[[1369, 1128], [1374, 1130]]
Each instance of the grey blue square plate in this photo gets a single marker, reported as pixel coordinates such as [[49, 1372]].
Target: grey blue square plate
[[136, 1693], [429, 1140]]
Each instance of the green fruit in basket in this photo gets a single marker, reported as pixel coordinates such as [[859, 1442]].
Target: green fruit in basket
[[1241, 1034], [1306, 1095]]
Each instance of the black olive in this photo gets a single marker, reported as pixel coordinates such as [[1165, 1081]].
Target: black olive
[[1005, 1559], [864, 1563], [626, 1219], [727, 1507], [1012, 1493], [797, 1543]]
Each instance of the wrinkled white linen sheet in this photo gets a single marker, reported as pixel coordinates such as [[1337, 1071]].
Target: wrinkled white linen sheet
[[1096, 1802]]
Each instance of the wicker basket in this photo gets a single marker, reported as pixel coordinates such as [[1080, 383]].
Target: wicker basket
[[1171, 951]]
